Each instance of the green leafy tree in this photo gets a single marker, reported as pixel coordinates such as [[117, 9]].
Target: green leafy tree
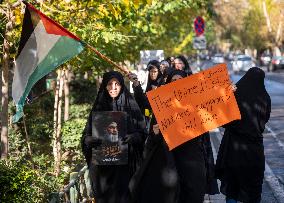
[[254, 24], [118, 29]]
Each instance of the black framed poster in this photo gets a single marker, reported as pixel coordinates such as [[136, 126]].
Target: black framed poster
[[111, 128]]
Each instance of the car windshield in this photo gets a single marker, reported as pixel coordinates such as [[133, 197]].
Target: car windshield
[[278, 57], [246, 58]]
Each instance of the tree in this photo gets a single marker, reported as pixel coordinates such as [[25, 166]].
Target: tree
[[252, 24], [5, 80]]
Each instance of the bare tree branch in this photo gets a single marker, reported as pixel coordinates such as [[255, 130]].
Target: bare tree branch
[[2, 11], [17, 3]]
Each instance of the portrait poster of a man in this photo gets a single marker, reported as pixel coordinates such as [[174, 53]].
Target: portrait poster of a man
[[110, 127]]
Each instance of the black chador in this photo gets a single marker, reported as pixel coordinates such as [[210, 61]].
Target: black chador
[[110, 183], [241, 163], [190, 163], [157, 178]]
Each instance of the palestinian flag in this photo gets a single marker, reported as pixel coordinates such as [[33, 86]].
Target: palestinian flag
[[44, 45]]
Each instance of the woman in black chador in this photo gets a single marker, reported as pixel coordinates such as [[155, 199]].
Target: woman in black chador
[[154, 80], [190, 162], [181, 63], [241, 163], [157, 179], [154, 76], [110, 182]]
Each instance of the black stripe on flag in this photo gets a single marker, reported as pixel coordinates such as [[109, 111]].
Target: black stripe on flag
[[30, 21]]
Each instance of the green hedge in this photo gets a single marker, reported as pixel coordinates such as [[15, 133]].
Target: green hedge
[[20, 183], [82, 91]]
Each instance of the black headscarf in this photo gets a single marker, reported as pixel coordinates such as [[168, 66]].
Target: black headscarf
[[153, 64], [166, 66], [168, 69], [123, 102], [175, 72], [168, 59], [254, 103], [187, 68]]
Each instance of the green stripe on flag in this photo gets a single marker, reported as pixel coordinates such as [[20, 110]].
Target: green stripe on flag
[[63, 50]]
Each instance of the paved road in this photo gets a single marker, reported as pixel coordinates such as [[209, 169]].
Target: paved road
[[273, 186]]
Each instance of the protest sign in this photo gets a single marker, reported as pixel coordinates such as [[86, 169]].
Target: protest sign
[[191, 106]]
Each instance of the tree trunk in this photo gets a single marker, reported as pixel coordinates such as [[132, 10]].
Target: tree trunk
[[86, 75], [5, 86], [28, 142], [279, 31], [27, 138], [66, 94], [278, 37], [58, 130], [55, 120], [266, 16]]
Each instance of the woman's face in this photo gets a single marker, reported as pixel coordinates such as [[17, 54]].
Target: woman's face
[[172, 60], [176, 77], [113, 88], [163, 67], [154, 73], [179, 65]]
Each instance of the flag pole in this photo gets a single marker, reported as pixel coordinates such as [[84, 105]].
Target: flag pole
[[124, 70]]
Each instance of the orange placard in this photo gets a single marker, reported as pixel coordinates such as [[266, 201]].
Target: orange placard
[[191, 106]]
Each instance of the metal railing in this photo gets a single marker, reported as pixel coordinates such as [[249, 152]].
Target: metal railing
[[79, 189]]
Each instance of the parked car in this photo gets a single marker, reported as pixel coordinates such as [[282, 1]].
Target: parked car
[[230, 56], [277, 62], [204, 56], [265, 59], [242, 63], [218, 58]]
